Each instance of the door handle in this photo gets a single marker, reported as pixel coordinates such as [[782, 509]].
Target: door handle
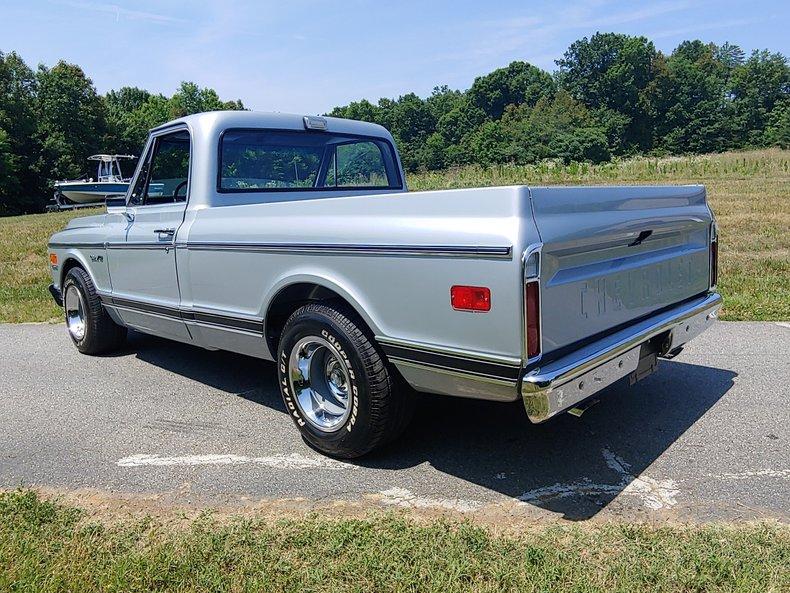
[[165, 231]]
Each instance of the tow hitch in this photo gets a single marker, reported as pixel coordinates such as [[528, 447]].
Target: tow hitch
[[583, 407], [648, 361]]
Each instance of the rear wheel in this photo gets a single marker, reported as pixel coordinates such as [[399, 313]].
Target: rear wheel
[[89, 326], [336, 385]]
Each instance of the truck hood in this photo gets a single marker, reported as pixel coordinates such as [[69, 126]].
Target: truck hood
[[86, 229], [87, 222]]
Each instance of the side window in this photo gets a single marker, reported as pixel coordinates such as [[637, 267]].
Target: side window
[[359, 164], [163, 178]]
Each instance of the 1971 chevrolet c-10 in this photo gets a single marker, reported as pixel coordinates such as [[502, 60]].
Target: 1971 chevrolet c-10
[[294, 239]]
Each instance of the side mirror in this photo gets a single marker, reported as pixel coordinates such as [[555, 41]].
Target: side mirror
[[117, 205]]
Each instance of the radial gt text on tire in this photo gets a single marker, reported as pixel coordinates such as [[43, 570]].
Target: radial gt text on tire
[[336, 384]]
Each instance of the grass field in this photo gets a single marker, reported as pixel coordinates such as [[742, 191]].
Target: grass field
[[48, 547], [24, 269], [749, 192]]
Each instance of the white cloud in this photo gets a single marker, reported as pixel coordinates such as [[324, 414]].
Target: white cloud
[[125, 13]]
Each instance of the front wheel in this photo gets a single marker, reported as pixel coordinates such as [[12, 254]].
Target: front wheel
[[336, 385], [89, 326]]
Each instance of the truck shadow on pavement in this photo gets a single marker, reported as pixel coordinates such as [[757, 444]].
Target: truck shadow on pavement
[[571, 466]]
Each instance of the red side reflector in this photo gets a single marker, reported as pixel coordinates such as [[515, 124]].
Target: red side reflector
[[532, 295], [470, 298], [714, 263]]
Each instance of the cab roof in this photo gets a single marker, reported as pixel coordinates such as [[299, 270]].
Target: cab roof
[[220, 120]]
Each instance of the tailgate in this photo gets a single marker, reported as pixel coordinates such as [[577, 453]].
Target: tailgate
[[614, 254]]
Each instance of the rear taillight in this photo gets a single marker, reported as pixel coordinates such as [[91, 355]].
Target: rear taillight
[[714, 255], [532, 296], [532, 301]]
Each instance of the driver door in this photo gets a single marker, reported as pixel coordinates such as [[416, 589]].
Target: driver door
[[145, 288]]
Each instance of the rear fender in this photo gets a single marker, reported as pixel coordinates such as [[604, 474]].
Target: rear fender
[[341, 286]]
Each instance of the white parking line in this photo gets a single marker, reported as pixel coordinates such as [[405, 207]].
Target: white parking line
[[654, 494], [760, 473], [290, 461]]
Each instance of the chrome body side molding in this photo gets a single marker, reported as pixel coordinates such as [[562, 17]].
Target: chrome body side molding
[[464, 251], [251, 325], [141, 245], [83, 245]]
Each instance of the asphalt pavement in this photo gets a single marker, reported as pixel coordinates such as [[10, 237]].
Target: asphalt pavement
[[707, 437]]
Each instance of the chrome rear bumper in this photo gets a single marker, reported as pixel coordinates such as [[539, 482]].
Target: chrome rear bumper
[[565, 382]]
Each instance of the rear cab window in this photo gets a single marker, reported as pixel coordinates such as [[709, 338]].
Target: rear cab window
[[253, 160]]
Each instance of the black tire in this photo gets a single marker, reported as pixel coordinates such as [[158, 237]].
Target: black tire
[[101, 334], [380, 404]]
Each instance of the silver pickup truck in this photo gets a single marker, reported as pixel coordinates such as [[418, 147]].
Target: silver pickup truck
[[294, 239]]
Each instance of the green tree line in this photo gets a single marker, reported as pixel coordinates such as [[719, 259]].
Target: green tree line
[[611, 95], [52, 119]]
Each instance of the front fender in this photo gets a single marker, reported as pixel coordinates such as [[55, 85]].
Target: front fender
[[91, 259], [69, 258]]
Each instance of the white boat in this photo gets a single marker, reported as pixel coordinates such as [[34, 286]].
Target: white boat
[[109, 181]]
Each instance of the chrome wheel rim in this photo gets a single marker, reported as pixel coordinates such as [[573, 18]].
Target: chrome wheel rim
[[75, 312], [319, 381]]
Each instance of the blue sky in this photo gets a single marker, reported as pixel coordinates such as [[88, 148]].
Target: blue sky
[[307, 56]]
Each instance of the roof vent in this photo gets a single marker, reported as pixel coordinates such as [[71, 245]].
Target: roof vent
[[313, 122]]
